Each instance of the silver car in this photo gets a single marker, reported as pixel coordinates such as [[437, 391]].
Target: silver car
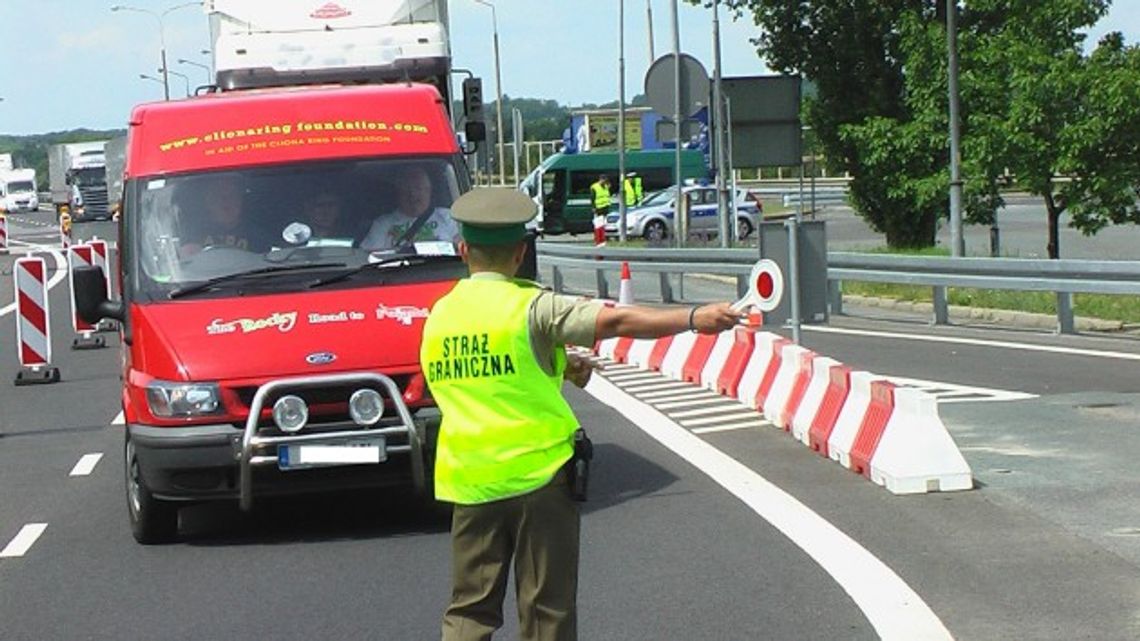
[[653, 220]]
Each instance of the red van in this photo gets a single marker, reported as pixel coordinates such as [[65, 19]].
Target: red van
[[280, 250]]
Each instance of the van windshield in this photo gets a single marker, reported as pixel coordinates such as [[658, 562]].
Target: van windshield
[[283, 220], [20, 186]]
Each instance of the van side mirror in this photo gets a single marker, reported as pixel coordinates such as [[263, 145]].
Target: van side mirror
[[475, 130], [91, 302]]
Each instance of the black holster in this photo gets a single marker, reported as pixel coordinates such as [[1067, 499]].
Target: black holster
[[580, 465]]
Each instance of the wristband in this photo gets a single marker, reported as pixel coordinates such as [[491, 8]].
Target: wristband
[[692, 313]]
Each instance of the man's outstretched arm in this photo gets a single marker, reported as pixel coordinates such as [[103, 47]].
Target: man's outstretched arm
[[647, 322]]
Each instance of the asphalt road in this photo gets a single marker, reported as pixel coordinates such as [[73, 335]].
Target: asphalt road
[[1045, 547]]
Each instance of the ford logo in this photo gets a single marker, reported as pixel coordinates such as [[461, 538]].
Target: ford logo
[[320, 358]]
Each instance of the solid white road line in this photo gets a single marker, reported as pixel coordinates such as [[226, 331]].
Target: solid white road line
[[24, 540], [895, 610], [1027, 347], [86, 465], [947, 390]]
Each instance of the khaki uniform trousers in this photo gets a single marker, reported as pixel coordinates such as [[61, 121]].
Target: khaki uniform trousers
[[540, 531]]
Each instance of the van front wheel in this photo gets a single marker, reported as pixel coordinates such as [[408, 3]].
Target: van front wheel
[[152, 520]]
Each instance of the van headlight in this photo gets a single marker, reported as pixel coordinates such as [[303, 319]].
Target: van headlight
[[183, 400]]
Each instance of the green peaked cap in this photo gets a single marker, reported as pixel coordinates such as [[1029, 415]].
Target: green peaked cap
[[493, 216]]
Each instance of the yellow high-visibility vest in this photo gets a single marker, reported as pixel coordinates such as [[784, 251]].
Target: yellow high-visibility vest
[[506, 427], [630, 193], [601, 196]]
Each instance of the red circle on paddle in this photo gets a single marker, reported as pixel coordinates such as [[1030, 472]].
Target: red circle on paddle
[[765, 285]]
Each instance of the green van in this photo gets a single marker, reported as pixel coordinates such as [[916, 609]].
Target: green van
[[565, 179]]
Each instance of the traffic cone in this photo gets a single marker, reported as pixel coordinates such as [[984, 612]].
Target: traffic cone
[[625, 292]]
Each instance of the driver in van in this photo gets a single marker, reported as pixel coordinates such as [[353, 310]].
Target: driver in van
[[414, 219], [216, 218]]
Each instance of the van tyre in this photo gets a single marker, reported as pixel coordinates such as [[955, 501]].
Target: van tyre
[[153, 521]]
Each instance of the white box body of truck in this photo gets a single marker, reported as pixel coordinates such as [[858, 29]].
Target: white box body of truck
[[261, 43]]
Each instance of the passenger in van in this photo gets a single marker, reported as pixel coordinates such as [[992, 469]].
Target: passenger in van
[[415, 218], [321, 211], [213, 215]]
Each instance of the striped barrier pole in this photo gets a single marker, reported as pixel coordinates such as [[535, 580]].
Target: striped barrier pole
[[81, 256], [33, 329], [101, 258], [3, 234]]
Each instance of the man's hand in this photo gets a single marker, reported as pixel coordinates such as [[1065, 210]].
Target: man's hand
[[579, 369], [715, 318]]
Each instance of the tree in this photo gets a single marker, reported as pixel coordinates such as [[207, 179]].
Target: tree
[[1064, 123]]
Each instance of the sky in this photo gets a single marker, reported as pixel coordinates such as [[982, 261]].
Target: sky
[[75, 63]]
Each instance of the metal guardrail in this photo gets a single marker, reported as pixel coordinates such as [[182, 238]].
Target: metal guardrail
[[1062, 277], [662, 261]]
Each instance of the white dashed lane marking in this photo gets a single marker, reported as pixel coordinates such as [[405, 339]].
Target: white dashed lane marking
[[23, 541], [740, 415], [86, 465], [731, 427], [719, 400]]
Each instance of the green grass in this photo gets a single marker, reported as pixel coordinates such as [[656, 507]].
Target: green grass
[[1107, 307]]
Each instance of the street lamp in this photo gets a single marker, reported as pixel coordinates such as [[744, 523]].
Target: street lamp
[[159, 17], [184, 78], [143, 76], [209, 80], [498, 92]]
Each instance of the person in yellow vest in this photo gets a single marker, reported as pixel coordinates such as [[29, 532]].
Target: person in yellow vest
[[494, 356], [600, 198], [634, 190]]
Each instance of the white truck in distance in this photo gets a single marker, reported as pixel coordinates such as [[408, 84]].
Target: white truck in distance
[[264, 43], [18, 190], [77, 173], [6, 162]]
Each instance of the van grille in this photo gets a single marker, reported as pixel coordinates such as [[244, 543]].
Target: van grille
[[326, 404]]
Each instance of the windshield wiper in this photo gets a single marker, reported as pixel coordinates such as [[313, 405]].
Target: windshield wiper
[[262, 271], [409, 260]]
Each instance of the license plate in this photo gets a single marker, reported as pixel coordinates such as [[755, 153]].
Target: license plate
[[365, 451]]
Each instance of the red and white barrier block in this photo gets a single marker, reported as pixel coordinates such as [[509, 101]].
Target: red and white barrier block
[[101, 258], [890, 434], [916, 453], [788, 384], [33, 327], [846, 429], [812, 401], [81, 256]]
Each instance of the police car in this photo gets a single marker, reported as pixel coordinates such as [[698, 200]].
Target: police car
[[653, 220]]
